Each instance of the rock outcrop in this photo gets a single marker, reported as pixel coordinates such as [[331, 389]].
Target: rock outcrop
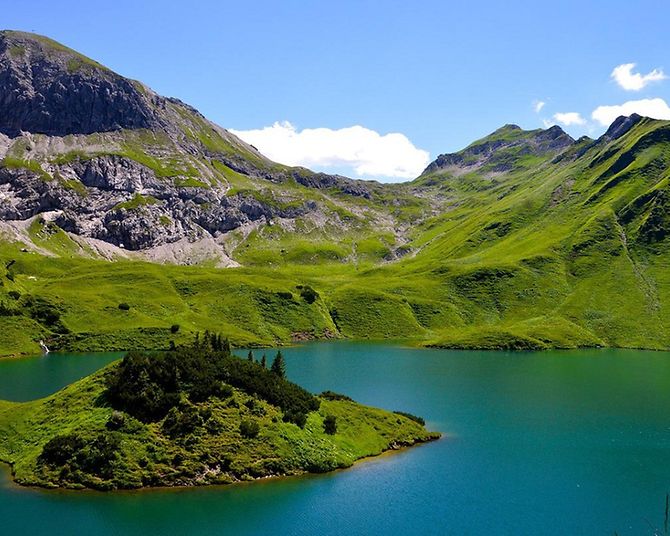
[[121, 164]]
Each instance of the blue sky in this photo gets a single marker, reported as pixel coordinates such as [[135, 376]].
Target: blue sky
[[438, 74]]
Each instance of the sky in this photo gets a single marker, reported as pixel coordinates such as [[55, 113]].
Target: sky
[[377, 89]]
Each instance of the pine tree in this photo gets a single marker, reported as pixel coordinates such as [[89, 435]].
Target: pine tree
[[278, 366], [264, 361], [250, 356]]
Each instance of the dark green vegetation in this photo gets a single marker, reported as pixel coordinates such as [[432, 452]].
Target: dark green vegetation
[[523, 240], [192, 416]]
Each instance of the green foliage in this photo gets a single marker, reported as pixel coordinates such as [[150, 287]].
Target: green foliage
[[506, 254], [331, 395], [278, 366], [124, 306], [61, 449], [44, 312], [249, 428], [75, 454], [182, 420], [330, 425], [414, 418], [74, 438], [308, 293], [148, 387], [30, 165]]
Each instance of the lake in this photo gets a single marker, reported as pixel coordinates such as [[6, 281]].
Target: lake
[[542, 443]]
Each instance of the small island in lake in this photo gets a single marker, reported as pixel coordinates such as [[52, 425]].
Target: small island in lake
[[194, 415]]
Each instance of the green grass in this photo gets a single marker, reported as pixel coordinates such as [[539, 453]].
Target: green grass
[[213, 453], [137, 201], [30, 165], [545, 253]]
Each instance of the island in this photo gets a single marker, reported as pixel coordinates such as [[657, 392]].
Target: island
[[194, 415]]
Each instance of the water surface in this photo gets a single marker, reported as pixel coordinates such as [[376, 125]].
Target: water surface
[[549, 443]]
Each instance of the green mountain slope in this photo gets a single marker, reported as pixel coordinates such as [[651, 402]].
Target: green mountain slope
[[524, 239]]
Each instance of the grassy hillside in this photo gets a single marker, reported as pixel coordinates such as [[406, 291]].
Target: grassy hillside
[[198, 431], [524, 239], [514, 244]]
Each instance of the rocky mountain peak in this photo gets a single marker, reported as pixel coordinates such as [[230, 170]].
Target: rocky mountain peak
[[50, 89], [501, 149], [621, 125]]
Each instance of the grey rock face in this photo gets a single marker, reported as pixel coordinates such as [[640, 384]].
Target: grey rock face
[[46, 88], [620, 126], [493, 149], [125, 204], [99, 191]]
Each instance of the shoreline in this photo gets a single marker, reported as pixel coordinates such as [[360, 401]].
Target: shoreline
[[8, 469], [405, 343]]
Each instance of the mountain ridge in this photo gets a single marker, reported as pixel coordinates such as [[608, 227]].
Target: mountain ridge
[[524, 239]]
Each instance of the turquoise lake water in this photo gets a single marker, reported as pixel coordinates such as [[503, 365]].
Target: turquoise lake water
[[547, 443]]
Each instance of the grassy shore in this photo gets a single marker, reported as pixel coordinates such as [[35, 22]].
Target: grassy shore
[[213, 448]]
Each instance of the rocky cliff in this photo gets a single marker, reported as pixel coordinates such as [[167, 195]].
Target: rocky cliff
[[113, 161]]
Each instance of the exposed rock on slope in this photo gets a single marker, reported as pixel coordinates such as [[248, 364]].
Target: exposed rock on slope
[[137, 170], [502, 150], [49, 89]]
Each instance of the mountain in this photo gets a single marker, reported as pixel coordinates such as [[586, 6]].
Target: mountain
[[110, 161], [523, 239]]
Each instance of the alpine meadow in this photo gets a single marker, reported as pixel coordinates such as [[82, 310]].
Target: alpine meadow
[[522, 240]]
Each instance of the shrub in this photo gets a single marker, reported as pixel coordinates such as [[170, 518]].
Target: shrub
[[249, 428], [116, 421], [142, 387], [44, 312], [414, 418], [331, 395], [330, 424], [174, 328], [14, 294], [124, 306], [296, 417], [308, 293], [99, 455], [8, 311], [148, 386], [60, 449], [93, 456]]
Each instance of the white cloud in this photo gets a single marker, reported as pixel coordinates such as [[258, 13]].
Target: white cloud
[[630, 81], [655, 108], [569, 118], [366, 152], [538, 105]]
